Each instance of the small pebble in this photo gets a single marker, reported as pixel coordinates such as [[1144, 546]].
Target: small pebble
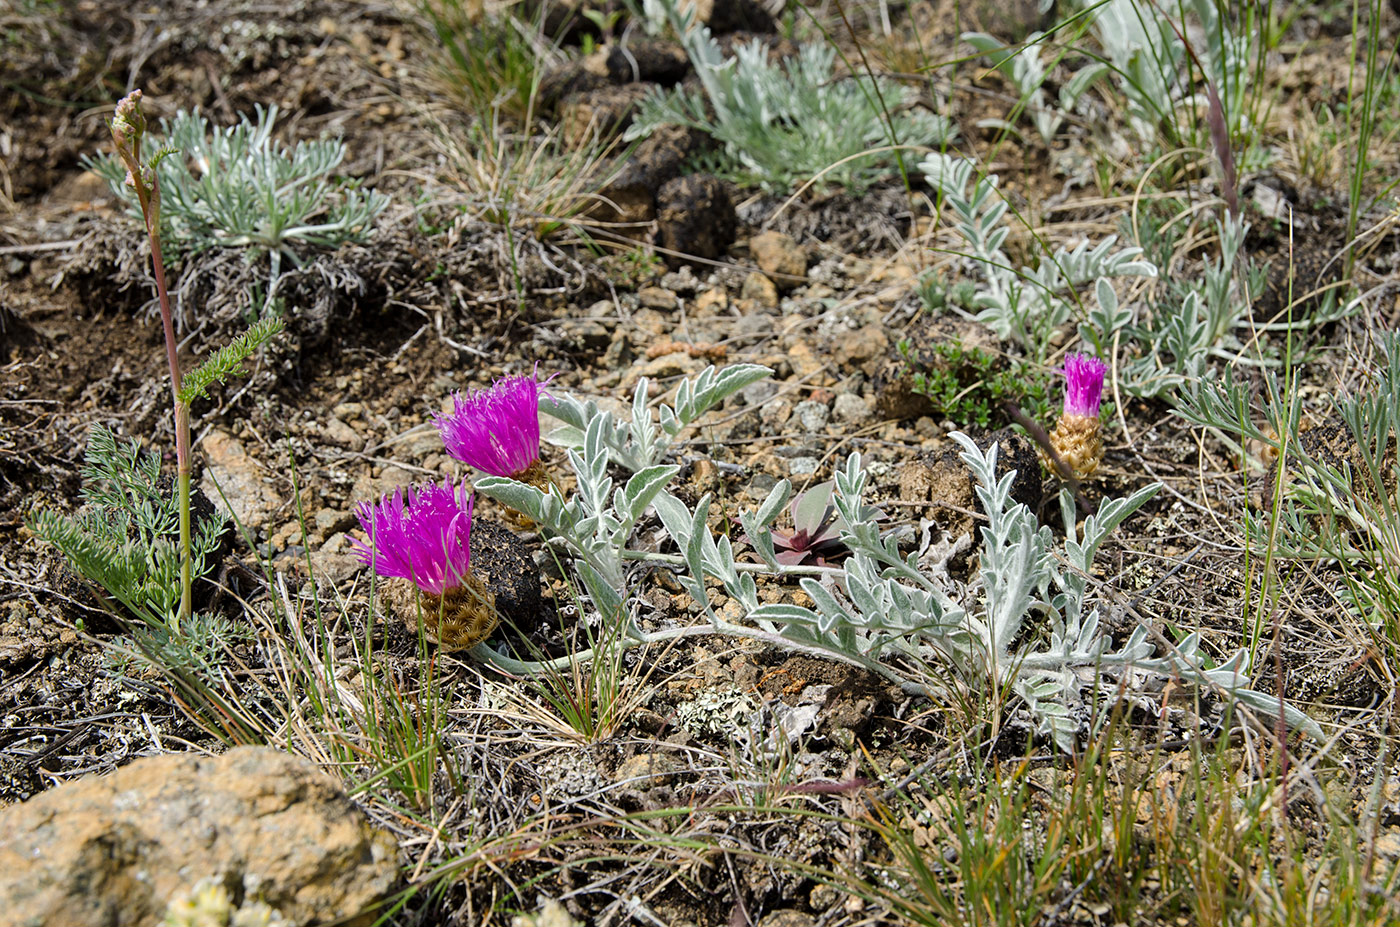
[[775, 412], [761, 290], [655, 297], [756, 394], [851, 409], [811, 416]]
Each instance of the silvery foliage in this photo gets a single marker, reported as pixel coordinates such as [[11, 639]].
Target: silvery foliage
[[596, 524], [786, 125], [1148, 56], [642, 442], [1178, 344], [1170, 347], [1028, 305], [1024, 67], [236, 187], [881, 603], [1173, 347], [1328, 508], [885, 602]]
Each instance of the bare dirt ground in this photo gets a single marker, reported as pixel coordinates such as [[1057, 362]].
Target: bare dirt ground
[[339, 413]]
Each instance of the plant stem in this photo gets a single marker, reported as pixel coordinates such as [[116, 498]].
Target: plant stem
[[128, 128], [182, 412], [741, 566], [182, 409], [485, 653]]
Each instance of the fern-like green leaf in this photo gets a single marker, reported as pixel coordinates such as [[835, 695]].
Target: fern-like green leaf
[[227, 361]]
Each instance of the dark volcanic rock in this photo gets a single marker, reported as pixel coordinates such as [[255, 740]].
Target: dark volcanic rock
[[630, 196], [943, 480], [647, 60], [566, 80], [695, 216], [600, 113], [503, 562]]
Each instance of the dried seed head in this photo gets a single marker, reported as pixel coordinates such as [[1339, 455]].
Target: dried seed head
[[458, 619]]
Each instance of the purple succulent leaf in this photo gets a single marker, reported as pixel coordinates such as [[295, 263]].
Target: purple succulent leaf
[[782, 538], [812, 509], [828, 541]]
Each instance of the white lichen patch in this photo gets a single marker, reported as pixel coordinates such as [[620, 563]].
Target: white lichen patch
[[717, 711]]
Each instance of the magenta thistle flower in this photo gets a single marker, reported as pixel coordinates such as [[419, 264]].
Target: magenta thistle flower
[[496, 430], [1083, 385], [1078, 435], [428, 541]]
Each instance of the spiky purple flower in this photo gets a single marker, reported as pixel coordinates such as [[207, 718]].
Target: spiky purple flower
[[428, 541], [496, 430], [1084, 375], [1078, 435]]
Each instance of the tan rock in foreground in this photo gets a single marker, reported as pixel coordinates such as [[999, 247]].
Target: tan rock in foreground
[[114, 850]]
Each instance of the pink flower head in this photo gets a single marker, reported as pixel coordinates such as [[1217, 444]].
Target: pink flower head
[[1083, 385], [496, 430], [128, 121], [428, 541]]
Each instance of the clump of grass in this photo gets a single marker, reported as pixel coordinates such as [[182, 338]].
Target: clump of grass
[[1132, 833], [534, 184], [1334, 489], [490, 62]]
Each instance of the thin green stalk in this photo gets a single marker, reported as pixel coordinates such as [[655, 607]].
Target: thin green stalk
[[1370, 104], [128, 126]]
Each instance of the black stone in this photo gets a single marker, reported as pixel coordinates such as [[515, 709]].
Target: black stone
[[503, 562], [696, 218], [648, 60]]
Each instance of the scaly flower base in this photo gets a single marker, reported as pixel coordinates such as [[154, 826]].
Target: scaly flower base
[[1078, 439], [459, 619]]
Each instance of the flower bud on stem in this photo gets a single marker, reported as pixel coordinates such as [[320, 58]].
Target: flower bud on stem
[[1078, 435], [128, 131]]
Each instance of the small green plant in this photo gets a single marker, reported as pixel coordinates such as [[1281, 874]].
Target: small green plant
[[106, 462], [1031, 305], [970, 386], [938, 295], [1025, 68], [1335, 500], [491, 63], [237, 188], [126, 538], [786, 126]]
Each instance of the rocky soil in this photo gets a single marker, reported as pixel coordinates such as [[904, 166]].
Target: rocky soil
[[686, 270]]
